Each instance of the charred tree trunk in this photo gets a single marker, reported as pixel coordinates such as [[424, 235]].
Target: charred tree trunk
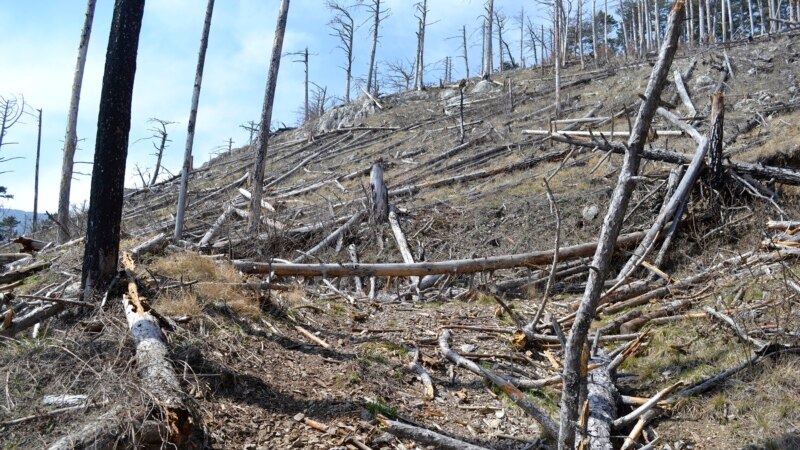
[[611, 228], [71, 138], [187, 155], [266, 117], [111, 147]]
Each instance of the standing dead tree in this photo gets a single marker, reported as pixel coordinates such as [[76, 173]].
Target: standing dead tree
[[612, 225], [160, 135], [378, 16], [187, 155], [400, 74], [11, 110], [344, 29], [111, 147], [487, 69], [421, 14], [266, 117], [304, 60], [71, 138]]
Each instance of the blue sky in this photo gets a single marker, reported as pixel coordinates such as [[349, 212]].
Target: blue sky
[[39, 48]]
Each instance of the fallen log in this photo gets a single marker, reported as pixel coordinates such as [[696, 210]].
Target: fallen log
[[23, 272], [150, 246], [602, 397], [402, 243], [426, 437], [547, 423], [31, 318], [6, 258], [458, 266], [357, 217], [214, 229], [155, 369], [423, 376], [31, 245], [758, 171]]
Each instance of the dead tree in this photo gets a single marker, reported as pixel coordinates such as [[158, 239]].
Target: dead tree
[[187, 154], [400, 74], [111, 147], [380, 195], [344, 29], [266, 117], [464, 47], [611, 228], [487, 69], [422, 13], [716, 172], [160, 134], [521, 19], [304, 60], [374, 7], [71, 138], [36, 174]]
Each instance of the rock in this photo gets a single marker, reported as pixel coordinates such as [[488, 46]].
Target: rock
[[299, 416], [746, 105], [484, 86], [590, 213], [704, 82], [468, 348]]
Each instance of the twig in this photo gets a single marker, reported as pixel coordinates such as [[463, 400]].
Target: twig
[[311, 336]]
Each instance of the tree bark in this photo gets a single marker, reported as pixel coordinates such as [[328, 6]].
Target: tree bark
[[262, 140], [611, 228], [71, 138], [187, 155], [111, 147]]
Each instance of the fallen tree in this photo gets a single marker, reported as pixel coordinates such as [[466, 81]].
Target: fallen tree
[[457, 266]]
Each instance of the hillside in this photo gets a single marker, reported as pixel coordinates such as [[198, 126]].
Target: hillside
[[303, 361]]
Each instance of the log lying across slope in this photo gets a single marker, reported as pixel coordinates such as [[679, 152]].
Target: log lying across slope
[[431, 268]]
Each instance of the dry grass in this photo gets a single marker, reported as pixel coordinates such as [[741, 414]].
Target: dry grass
[[216, 284]]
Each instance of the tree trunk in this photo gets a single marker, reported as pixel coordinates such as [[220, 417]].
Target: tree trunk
[[376, 22], [579, 25], [111, 147], [420, 81], [611, 228], [187, 155], [458, 266], [262, 140], [380, 195], [594, 30], [488, 59], [557, 62], [464, 43], [36, 175], [716, 172], [71, 138]]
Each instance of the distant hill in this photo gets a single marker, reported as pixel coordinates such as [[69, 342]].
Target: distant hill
[[24, 218]]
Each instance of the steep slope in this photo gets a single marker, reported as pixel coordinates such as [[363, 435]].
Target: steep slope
[[241, 344]]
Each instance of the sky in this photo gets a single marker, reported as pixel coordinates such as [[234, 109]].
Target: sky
[[39, 50]]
